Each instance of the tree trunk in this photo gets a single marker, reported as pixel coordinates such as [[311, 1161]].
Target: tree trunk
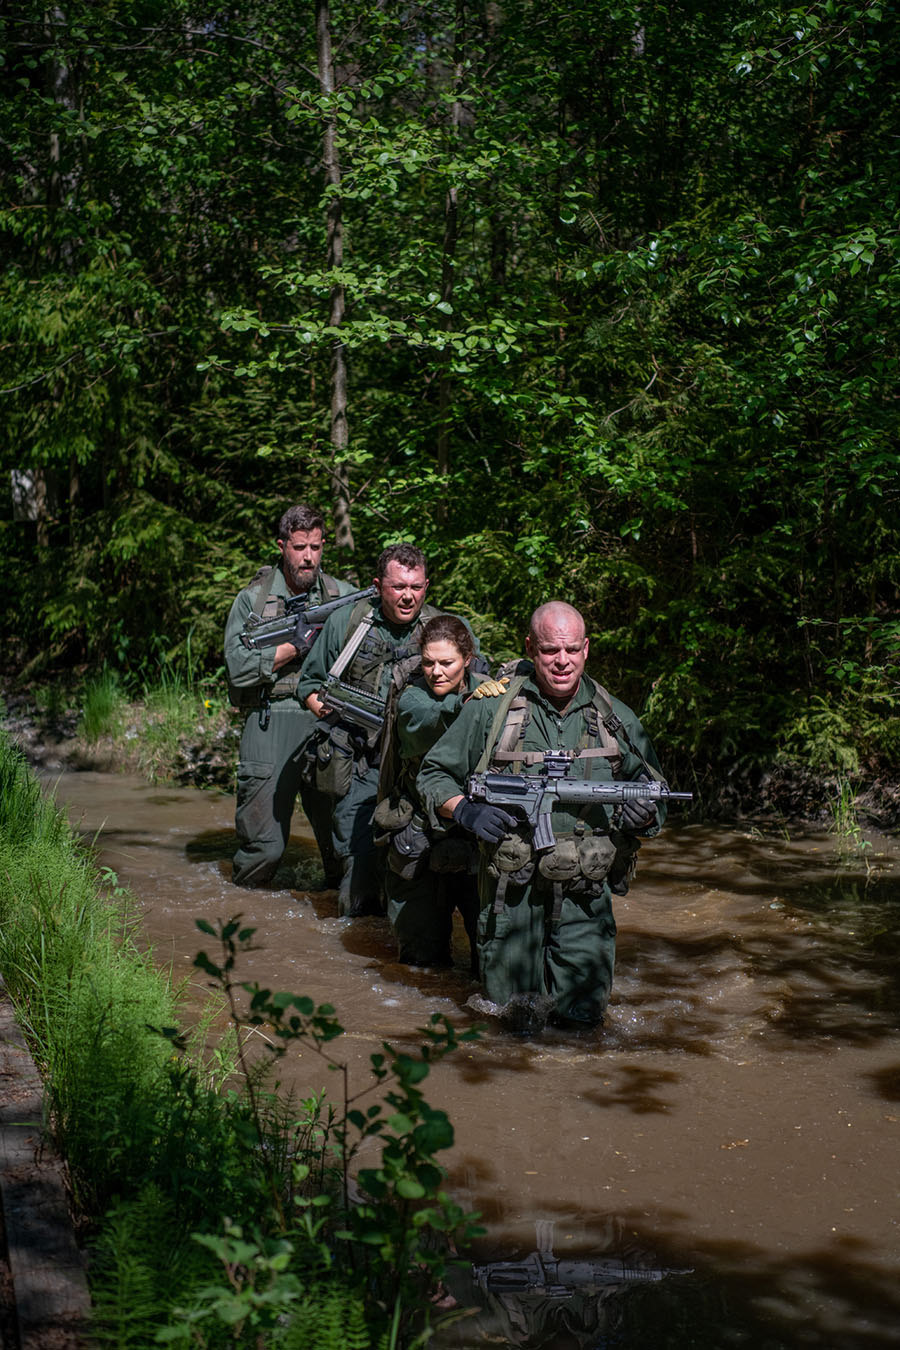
[[340, 485], [448, 263]]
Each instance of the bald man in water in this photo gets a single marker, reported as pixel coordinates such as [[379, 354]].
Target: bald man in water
[[546, 930]]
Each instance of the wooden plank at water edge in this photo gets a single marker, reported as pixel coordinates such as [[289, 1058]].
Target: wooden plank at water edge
[[49, 1287]]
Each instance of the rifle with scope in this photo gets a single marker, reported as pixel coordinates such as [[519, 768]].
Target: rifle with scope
[[534, 796], [301, 623]]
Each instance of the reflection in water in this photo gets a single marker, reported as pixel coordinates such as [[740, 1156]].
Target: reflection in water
[[739, 1111], [529, 1303]]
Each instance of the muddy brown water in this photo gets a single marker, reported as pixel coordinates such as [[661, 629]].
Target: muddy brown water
[[719, 1166]]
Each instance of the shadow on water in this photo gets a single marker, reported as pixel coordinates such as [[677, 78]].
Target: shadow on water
[[211, 846], [628, 1291]]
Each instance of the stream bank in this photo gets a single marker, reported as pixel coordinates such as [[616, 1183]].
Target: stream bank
[[783, 793]]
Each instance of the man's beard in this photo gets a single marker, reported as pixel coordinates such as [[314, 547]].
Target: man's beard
[[301, 579]]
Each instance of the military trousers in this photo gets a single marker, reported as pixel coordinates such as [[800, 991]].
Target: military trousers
[[420, 913], [525, 947], [361, 885], [272, 773]]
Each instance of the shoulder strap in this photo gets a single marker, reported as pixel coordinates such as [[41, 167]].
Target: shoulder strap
[[352, 646], [616, 727], [498, 725], [330, 586], [261, 582], [402, 674]]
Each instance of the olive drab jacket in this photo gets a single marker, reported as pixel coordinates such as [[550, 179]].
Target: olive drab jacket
[[372, 665], [446, 767], [251, 674]]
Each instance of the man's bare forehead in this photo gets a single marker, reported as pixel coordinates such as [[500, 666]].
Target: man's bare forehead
[[562, 633]]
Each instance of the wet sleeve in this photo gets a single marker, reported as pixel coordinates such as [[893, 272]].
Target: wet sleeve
[[446, 768], [246, 669]]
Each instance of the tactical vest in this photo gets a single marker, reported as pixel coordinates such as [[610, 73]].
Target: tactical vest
[[366, 669], [507, 734], [268, 606], [585, 860]]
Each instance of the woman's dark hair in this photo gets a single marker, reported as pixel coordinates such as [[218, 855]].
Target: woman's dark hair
[[448, 628]]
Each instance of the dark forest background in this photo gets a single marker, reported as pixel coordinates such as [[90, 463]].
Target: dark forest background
[[590, 300]]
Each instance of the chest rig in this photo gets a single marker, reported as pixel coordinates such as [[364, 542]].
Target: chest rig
[[599, 734], [370, 652], [581, 862], [266, 605]]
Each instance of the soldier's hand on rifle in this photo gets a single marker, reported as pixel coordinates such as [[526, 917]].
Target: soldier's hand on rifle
[[489, 823], [638, 815], [303, 637], [490, 689]]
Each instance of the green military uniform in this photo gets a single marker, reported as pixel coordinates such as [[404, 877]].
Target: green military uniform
[[275, 738], [420, 908], [537, 935], [370, 669]]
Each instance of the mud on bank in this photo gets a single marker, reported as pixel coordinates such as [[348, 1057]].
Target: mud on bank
[[52, 740]]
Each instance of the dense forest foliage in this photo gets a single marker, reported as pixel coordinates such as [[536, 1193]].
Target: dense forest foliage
[[591, 300]]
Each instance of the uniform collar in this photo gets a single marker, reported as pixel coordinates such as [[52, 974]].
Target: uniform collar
[[581, 699], [397, 630]]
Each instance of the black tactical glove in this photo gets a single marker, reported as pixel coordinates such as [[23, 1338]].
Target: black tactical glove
[[638, 815], [489, 823], [303, 637]]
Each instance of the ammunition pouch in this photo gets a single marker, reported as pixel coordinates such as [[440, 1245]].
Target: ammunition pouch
[[625, 864], [512, 858], [596, 856], [408, 852], [391, 814], [335, 755], [560, 863], [578, 863]]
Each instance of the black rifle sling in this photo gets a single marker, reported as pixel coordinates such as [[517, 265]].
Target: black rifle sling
[[616, 727]]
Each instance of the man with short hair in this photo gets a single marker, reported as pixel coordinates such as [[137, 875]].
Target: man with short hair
[[274, 742], [359, 648], [546, 930]]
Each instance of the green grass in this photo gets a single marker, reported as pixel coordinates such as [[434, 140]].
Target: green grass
[[216, 1216], [103, 707], [849, 838]]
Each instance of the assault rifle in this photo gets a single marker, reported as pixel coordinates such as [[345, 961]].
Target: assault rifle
[[542, 1273], [536, 796], [348, 703], [301, 623]]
